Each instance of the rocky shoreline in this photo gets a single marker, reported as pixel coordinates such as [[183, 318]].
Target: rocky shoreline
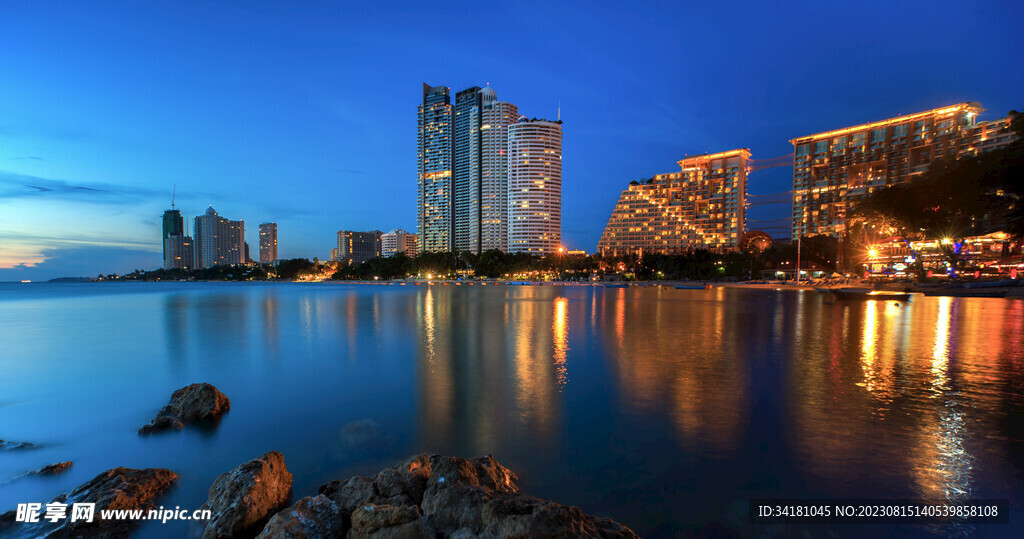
[[425, 496]]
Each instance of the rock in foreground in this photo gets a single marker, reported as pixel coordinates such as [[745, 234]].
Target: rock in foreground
[[243, 499], [435, 496], [190, 404], [118, 488]]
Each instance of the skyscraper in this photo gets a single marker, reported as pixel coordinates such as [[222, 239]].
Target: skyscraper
[[218, 241], [173, 226], [356, 247], [466, 171], [434, 164], [535, 186], [268, 243], [495, 120], [179, 252]]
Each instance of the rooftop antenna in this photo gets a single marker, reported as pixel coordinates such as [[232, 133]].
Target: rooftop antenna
[[174, 191], [559, 110]]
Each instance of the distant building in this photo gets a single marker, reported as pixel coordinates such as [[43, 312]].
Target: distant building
[[173, 225], [434, 167], [179, 252], [268, 243], [398, 241], [356, 247], [496, 119], [218, 241], [833, 170], [700, 207], [535, 186]]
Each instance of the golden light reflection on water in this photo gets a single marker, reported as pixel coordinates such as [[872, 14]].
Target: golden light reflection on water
[[560, 329]]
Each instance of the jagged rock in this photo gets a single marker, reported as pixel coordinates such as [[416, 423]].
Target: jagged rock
[[9, 445], [190, 404], [310, 517], [244, 498], [456, 497], [118, 488], [387, 522], [54, 469]]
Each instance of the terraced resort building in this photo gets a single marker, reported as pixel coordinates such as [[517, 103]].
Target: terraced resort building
[[700, 207]]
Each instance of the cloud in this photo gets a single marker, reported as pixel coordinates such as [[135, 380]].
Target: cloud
[[21, 186], [26, 158], [82, 261]]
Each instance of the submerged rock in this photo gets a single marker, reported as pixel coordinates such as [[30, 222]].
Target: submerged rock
[[9, 445], [54, 469], [243, 499], [450, 496], [118, 488], [191, 404]]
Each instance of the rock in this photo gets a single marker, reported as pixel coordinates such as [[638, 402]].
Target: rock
[[53, 469], [456, 497], [8, 445], [388, 522], [118, 488], [309, 517], [244, 498], [190, 404]]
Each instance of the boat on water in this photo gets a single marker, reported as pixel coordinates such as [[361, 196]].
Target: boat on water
[[692, 286], [994, 284], [616, 285], [868, 294]]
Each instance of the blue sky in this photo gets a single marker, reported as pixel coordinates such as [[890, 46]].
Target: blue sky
[[304, 113]]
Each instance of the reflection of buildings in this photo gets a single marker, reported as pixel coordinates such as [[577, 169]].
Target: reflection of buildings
[[835, 169], [490, 366], [702, 206], [680, 357]]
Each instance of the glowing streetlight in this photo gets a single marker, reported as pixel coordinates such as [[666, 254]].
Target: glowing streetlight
[[873, 253]]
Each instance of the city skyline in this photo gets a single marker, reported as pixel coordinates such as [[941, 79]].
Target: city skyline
[[96, 134]]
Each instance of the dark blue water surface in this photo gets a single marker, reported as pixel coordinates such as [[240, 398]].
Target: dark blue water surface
[[664, 409]]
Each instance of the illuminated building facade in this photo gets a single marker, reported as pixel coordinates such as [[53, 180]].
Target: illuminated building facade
[[535, 186], [700, 207], [466, 172], [434, 163], [356, 247], [835, 169], [491, 231], [179, 252], [268, 243], [398, 241], [173, 225], [218, 241]]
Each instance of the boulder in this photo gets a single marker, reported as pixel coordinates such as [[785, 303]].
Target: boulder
[[456, 497], [191, 404], [310, 517], [54, 469], [245, 498], [9, 445], [118, 488]]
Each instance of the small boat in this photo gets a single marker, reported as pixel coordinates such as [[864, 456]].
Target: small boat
[[868, 294], [616, 285], [692, 286], [993, 284]]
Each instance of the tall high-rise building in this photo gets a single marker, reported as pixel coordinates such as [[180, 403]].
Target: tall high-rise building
[[356, 247], [466, 170], [495, 121], [174, 225], [833, 170], [434, 164], [218, 241], [179, 252], [700, 207], [268, 243], [398, 241], [535, 186]]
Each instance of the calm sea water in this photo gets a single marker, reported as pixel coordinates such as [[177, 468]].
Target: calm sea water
[[664, 409]]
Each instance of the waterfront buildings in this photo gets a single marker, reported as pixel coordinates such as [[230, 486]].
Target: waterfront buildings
[[835, 169], [173, 225], [268, 243], [398, 241], [701, 206], [434, 163], [464, 181], [356, 247], [218, 241], [535, 186]]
